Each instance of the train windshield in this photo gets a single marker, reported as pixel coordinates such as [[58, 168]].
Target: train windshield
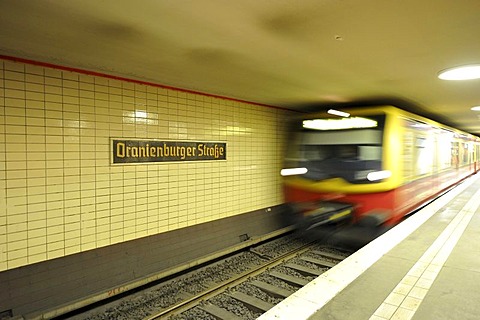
[[337, 148]]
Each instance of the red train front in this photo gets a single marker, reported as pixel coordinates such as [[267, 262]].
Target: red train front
[[371, 166]]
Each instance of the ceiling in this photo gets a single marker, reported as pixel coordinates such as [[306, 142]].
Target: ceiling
[[302, 54]]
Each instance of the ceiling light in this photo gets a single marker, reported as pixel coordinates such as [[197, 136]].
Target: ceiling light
[[468, 72], [476, 108], [339, 113]]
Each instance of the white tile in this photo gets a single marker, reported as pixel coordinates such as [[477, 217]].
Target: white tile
[[385, 311], [395, 299], [76, 128], [418, 293], [403, 314], [411, 303]]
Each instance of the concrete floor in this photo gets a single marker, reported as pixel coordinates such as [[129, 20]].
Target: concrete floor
[[428, 267]]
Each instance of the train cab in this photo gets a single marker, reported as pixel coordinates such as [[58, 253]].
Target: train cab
[[371, 166]]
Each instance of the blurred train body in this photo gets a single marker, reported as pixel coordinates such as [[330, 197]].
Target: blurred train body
[[373, 167]]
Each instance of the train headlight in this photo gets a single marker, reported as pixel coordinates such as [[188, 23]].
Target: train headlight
[[379, 175], [293, 171]]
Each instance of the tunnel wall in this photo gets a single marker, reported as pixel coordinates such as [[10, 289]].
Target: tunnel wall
[[60, 194]]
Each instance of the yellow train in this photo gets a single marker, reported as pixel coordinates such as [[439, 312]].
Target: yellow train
[[371, 166]]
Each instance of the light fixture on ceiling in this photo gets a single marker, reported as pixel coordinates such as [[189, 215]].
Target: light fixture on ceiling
[[475, 108], [338, 113], [468, 72]]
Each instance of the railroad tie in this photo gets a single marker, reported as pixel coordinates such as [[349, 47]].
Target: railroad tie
[[271, 289], [218, 312], [329, 255], [304, 270], [259, 305], [319, 262], [299, 282]]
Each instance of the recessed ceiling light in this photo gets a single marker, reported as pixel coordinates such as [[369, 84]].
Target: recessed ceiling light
[[468, 72], [476, 108]]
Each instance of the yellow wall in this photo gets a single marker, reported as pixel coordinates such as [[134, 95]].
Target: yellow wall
[[60, 195]]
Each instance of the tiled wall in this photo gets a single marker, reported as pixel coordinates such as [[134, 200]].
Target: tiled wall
[[60, 195]]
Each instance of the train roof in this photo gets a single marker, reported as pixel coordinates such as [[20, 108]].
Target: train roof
[[392, 110]]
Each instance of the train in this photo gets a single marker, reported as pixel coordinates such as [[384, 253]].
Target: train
[[371, 166]]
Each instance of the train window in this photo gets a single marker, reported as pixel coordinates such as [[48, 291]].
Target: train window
[[444, 146], [428, 149], [420, 149], [407, 155], [350, 154], [455, 154], [424, 155], [465, 154]]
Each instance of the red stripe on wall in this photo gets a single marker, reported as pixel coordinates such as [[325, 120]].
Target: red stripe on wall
[[104, 75]]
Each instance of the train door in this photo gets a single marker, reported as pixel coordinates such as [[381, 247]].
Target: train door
[[455, 155], [476, 154], [407, 155], [471, 148]]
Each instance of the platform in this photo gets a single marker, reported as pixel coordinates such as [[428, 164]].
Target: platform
[[428, 267]]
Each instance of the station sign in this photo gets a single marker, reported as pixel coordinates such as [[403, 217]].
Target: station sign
[[144, 151]]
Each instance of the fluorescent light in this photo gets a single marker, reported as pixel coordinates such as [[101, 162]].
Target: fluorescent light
[[461, 73], [339, 113], [379, 175], [293, 171], [476, 108], [338, 124]]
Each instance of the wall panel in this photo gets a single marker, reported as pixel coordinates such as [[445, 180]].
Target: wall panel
[[59, 193]]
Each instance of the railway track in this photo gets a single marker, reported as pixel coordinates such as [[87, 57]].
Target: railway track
[[253, 293], [240, 287]]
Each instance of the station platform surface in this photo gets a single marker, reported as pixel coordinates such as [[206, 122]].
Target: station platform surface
[[427, 267]]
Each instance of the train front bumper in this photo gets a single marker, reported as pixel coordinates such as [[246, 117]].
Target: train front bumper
[[323, 212]]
